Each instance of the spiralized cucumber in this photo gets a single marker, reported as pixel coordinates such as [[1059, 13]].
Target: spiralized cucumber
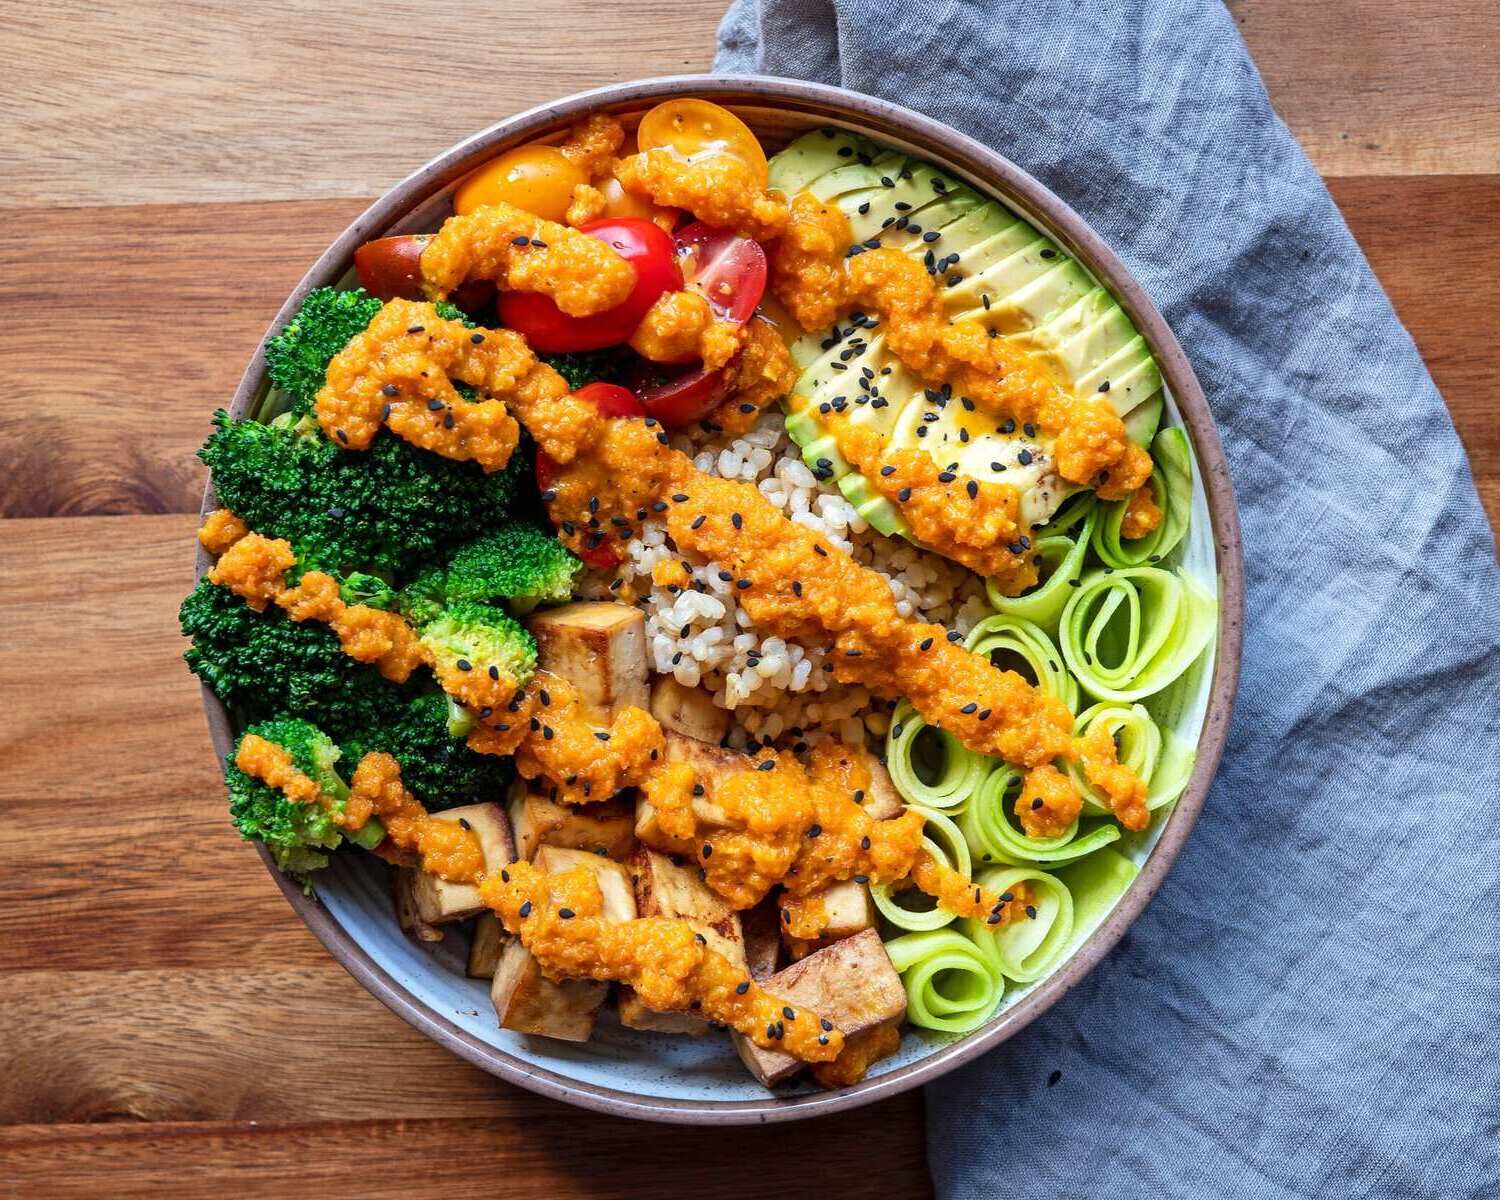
[[1062, 552], [988, 823], [1171, 487], [1162, 760], [1128, 633], [950, 983], [1028, 641], [945, 842], [952, 781], [1026, 949]]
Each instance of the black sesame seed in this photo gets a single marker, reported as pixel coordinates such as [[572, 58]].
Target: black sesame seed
[[698, 521], [969, 709], [526, 909], [565, 913]]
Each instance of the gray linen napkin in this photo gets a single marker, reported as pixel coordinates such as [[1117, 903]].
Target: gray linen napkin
[[1309, 1007]]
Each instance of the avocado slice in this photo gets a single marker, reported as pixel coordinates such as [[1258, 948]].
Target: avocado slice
[[1012, 278], [814, 155]]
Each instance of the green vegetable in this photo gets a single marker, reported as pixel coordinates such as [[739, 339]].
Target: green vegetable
[[587, 366], [297, 358], [518, 563], [390, 509], [265, 663], [483, 637], [297, 834], [369, 590], [436, 765]]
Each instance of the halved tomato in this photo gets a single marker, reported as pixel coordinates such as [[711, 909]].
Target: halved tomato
[[548, 329], [680, 398], [613, 401], [696, 128], [539, 179], [728, 270], [390, 268]]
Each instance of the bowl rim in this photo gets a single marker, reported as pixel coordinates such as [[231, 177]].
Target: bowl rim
[[992, 172]]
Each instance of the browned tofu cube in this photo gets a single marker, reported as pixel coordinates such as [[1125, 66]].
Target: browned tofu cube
[[536, 819], [689, 711], [635, 1015], [525, 1000], [600, 648], [404, 899], [485, 946], [664, 889], [711, 764], [847, 910], [852, 983], [439, 901], [613, 878], [762, 929], [881, 799]]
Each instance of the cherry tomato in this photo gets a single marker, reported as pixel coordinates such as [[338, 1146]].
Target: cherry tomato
[[613, 401], [390, 268], [729, 271], [538, 178], [644, 247], [688, 396], [698, 127]]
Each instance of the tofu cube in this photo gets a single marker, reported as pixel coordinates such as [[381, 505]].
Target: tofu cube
[[438, 901], [404, 900], [882, 801], [664, 889], [711, 764], [485, 946], [689, 711], [536, 819], [525, 1000], [852, 983], [847, 910], [762, 929], [600, 648]]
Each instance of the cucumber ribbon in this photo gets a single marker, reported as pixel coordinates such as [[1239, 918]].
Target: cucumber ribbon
[[1171, 487], [1028, 641], [1062, 553], [945, 842]]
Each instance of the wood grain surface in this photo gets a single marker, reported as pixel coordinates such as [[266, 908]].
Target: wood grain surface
[[167, 1028]]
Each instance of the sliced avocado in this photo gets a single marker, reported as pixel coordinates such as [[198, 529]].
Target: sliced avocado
[[1013, 279], [814, 155]]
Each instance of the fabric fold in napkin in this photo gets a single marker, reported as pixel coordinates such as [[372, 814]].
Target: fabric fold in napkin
[[1309, 1006]]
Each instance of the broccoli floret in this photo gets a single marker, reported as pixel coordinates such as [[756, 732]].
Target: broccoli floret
[[369, 590], [484, 637], [584, 367], [436, 765], [518, 563], [297, 358], [264, 663], [296, 833], [389, 509]]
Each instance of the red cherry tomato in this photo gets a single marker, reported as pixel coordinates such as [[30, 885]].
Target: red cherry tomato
[[729, 271], [686, 397], [638, 242], [612, 400], [390, 268]]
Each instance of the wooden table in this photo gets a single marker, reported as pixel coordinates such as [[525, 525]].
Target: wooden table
[[166, 1026]]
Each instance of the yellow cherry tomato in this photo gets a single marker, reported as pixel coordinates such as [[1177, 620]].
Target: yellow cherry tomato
[[696, 128], [537, 178], [620, 203]]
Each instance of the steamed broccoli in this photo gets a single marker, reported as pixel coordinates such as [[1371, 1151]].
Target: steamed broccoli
[[369, 590], [585, 366], [264, 663], [485, 638], [297, 358], [296, 833], [436, 765], [389, 509], [518, 563]]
